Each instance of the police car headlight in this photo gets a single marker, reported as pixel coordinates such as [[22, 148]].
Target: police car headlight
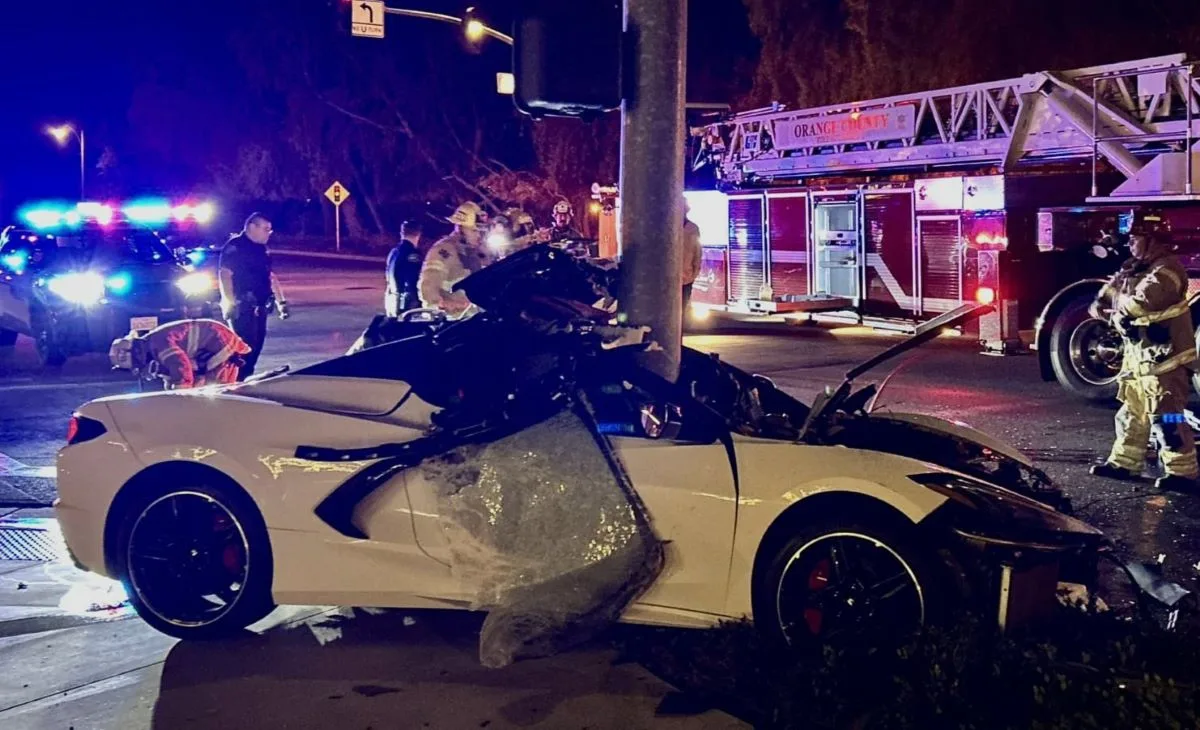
[[84, 288], [196, 283]]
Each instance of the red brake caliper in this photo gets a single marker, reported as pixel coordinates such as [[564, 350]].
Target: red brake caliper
[[818, 579]]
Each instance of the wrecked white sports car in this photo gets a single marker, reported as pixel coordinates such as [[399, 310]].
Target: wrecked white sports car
[[523, 462]]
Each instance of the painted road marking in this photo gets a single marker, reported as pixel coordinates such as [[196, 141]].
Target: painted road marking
[[10, 467]]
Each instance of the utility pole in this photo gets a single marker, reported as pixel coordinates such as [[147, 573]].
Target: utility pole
[[651, 181]]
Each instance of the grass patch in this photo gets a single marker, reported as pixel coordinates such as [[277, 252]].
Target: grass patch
[[1080, 672]]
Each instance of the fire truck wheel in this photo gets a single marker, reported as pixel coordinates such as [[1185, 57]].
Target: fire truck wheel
[[1085, 352]]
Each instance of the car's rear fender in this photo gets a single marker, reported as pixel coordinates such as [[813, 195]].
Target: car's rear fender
[[89, 477]]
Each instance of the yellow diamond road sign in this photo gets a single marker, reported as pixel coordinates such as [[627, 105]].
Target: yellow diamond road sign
[[366, 18], [337, 193]]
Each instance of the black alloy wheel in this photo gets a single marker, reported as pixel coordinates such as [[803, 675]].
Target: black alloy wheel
[[196, 562]]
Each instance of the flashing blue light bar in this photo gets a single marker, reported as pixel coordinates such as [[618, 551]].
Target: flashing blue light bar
[[42, 218], [148, 211]]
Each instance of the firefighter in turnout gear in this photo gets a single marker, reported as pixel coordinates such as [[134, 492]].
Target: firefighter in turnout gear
[[453, 259], [562, 228], [186, 354], [1147, 301]]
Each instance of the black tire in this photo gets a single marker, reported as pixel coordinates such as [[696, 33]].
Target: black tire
[[805, 615], [170, 589], [8, 338], [1085, 353]]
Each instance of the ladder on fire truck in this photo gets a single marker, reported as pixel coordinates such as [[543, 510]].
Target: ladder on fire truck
[[1141, 117]]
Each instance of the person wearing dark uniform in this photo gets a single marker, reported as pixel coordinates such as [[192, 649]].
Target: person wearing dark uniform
[[249, 288], [1147, 301], [403, 270]]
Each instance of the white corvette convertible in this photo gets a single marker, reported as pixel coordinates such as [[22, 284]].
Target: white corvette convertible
[[489, 463]]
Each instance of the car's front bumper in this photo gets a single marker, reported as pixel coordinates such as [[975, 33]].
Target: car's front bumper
[[93, 329]]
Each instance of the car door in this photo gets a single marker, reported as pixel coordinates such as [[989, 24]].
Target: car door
[[685, 480]]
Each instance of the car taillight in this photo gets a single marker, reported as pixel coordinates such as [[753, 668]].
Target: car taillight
[[81, 429]]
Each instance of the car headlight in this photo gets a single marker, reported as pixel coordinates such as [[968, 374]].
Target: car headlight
[[119, 283], [85, 288], [196, 283], [996, 514]]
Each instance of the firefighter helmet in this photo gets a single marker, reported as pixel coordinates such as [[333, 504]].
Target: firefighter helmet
[[563, 207], [467, 215], [518, 219], [1151, 224], [121, 354]]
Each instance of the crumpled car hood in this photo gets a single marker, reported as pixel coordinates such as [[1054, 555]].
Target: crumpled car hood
[[956, 447], [959, 430]]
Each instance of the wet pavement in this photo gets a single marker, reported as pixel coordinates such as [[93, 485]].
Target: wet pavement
[[381, 670]]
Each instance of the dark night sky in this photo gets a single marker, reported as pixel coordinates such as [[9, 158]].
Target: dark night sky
[[81, 60]]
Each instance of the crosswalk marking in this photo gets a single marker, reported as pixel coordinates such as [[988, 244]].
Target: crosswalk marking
[[10, 467]]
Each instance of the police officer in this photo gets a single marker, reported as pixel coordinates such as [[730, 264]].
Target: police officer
[[1147, 303], [403, 270], [249, 288], [451, 260], [563, 218]]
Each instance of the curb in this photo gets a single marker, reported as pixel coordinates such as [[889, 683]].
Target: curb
[[323, 255]]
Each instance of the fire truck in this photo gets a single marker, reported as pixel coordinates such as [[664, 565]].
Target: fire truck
[[891, 211]]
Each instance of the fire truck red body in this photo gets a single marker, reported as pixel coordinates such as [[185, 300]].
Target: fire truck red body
[[894, 210]]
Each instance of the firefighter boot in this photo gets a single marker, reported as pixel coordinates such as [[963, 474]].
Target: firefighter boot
[[1173, 436], [1132, 423], [1175, 483], [1109, 470]]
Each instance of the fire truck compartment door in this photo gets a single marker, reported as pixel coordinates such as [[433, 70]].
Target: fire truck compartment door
[[836, 243], [941, 257]]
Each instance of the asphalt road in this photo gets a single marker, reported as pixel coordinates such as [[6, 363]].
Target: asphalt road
[[420, 669]]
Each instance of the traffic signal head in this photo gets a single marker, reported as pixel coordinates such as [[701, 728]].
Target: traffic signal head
[[567, 57]]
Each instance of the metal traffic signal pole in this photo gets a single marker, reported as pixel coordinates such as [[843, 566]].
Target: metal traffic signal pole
[[651, 180]]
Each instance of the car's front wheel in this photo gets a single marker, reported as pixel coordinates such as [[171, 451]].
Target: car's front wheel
[[850, 581], [195, 560]]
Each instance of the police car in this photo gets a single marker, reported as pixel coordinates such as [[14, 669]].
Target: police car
[[74, 278]]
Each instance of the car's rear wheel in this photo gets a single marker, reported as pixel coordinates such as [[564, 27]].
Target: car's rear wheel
[[196, 561], [861, 581]]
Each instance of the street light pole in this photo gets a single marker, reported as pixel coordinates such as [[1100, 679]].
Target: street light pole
[[82, 166], [62, 133], [472, 27], [651, 178]]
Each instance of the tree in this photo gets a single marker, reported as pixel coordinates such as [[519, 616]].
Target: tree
[[573, 155], [818, 52]]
